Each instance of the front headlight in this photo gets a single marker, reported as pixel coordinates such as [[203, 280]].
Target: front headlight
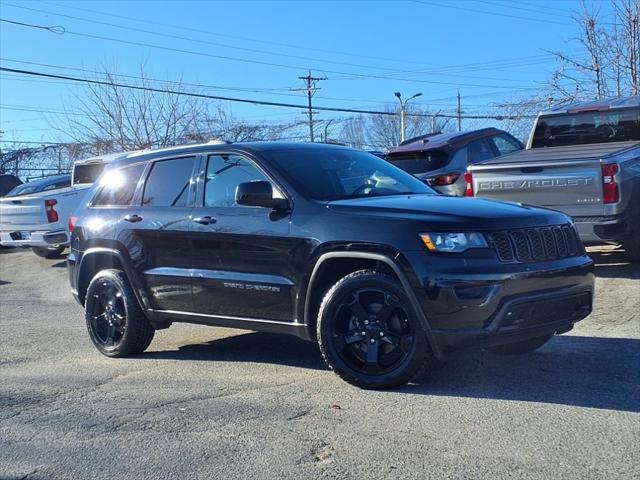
[[452, 242]]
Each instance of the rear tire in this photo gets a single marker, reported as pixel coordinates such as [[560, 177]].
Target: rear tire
[[520, 348], [116, 324], [369, 333], [48, 252]]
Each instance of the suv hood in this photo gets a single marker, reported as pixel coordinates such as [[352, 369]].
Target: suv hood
[[442, 211]]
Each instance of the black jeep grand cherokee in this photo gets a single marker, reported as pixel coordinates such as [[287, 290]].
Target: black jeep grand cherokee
[[326, 243]]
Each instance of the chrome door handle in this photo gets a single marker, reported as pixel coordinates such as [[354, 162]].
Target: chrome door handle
[[205, 220], [133, 218]]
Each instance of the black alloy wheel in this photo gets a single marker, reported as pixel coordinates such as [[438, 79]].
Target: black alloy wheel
[[369, 333], [116, 324], [107, 315], [372, 333]]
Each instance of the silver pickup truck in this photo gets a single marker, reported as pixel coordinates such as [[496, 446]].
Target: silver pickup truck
[[582, 159]]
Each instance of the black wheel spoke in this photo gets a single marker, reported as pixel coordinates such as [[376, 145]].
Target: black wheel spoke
[[406, 343], [388, 307], [391, 338], [371, 333], [372, 364], [111, 331], [109, 317], [358, 310]]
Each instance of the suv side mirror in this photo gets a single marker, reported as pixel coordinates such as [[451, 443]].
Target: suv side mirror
[[259, 194]]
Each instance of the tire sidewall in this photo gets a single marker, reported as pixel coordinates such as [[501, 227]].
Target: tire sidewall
[[333, 299]]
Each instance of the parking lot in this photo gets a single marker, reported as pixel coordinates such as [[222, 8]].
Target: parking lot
[[222, 403]]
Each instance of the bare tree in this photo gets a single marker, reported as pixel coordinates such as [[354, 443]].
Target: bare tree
[[612, 51], [383, 131], [223, 125], [115, 117]]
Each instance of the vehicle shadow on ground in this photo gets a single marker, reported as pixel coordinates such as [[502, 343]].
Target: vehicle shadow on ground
[[612, 262], [590, 372], [569, 370], [251, 347]]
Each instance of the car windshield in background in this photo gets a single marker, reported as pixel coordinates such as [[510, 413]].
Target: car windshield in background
[[87, 173], [587, 127], [335, 174], [38, 186], [420, 162]]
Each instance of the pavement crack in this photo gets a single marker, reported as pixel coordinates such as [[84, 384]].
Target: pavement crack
[[299, 415]]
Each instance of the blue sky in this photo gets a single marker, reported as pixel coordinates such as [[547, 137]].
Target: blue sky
[[490, 50]]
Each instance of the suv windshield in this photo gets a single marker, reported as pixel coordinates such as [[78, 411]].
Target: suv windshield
[[587, 127], [335, 174], [420, 162]]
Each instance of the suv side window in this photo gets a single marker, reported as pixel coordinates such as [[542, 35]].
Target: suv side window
[[505, 144], [118, 186], [224, 173], [480, 150], [168, 183], [460, 157]]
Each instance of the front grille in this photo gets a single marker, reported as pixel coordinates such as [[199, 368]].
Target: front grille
[[535, 244]]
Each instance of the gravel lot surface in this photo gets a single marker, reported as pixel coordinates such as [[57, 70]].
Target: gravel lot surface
[[220, 403]]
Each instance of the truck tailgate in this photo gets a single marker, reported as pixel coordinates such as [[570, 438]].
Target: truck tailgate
[[563, 178], [22, 212], [28, 212]]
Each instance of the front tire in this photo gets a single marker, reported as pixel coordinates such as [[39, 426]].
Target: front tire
[[520, 348], [116, 324], [369, 333], [48, 252]]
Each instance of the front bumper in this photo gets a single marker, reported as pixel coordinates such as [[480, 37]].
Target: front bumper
[[484, 304], [35, 238], [522, 318]]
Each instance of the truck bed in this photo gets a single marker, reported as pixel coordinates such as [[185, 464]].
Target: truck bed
[[594, 151]]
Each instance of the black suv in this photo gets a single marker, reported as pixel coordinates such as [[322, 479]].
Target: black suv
[[328, 243]]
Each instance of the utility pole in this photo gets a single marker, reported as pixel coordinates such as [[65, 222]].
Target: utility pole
[[310, 88], [403, 106], [459, 113]]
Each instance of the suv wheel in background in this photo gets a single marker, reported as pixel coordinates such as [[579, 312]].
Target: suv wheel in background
[[520, 348], [48, 252], [117, 326], [369, 333]]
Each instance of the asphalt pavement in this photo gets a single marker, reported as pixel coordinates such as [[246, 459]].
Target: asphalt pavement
[[215, 403]]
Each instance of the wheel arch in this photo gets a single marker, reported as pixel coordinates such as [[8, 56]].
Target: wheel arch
[[316, 291], [96, 259]]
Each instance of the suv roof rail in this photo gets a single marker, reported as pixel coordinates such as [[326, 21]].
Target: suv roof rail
[[420, 137]]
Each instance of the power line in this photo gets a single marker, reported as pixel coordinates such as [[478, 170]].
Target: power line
[[234, 99], [261, 41], [195, 40], [57, 29], [485, 12], [280, 65], [188, 39]]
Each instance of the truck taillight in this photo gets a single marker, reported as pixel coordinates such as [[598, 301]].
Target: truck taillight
[[442, 180], [468, 178], [72, 223], [52, 215], [610, 190]]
